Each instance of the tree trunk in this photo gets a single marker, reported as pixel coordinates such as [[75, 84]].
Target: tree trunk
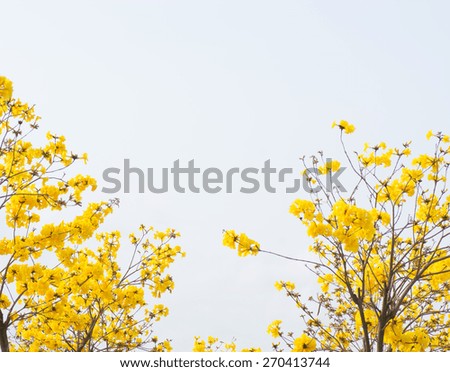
[[4, 344], [380, 337]]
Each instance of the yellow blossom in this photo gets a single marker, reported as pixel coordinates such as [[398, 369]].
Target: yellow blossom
[[6, 88], [304, 343], [274, 328], [344, 126]]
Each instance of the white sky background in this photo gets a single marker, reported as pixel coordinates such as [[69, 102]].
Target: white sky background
[[229, 84]]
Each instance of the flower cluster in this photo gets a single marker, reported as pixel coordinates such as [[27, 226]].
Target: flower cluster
[[245, 246]]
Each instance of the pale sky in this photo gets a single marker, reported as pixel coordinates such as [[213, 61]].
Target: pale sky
[[229, 84]]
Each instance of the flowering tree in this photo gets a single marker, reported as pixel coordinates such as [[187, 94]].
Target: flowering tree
[[383, 252], [56, 293]]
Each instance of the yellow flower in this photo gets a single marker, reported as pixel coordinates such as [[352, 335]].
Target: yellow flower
[[325, 280], [330, 166], [6, 88], [303, 209], [247, 246], [288, 285], [230, 347], [279, 286], [160, 311], [230, 239], [252, 350], [429, 134], [199, 345], [345, 126], [382, 145], [4, 301], [274, 328], [212, 340], [304, 343], [167, 346]]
